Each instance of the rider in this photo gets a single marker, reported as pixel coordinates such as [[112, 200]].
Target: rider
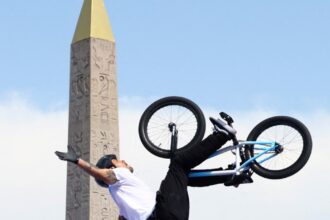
[[134, 199]]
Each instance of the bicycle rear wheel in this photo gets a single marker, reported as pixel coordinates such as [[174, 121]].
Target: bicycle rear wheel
[[294, 147], [154, 125]]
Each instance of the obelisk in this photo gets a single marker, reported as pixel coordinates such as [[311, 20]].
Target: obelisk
[[93, 113]]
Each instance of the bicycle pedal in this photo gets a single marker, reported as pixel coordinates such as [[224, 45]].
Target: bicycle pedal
[[231, 166], [240, 179], [247, 180]]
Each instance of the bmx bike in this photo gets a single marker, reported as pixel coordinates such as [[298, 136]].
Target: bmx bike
[[276, 148]]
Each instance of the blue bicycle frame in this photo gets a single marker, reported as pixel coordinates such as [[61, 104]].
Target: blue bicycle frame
[[265, 147]]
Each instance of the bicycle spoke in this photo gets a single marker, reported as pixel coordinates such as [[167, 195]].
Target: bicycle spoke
[[291, 141], [158, 130]]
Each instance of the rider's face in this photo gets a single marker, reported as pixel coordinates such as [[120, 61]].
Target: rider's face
[[122, 163]]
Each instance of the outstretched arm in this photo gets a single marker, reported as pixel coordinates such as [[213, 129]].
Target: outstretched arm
[[106, 175]]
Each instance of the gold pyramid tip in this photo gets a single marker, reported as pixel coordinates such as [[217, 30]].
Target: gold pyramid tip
[[93, 22]]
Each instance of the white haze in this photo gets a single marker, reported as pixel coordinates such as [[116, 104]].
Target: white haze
[[33, 179]]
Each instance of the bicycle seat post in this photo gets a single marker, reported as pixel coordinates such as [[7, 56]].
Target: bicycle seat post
[[235, 141], [230, 122]]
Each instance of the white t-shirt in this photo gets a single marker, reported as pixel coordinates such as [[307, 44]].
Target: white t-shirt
[[133, 197]]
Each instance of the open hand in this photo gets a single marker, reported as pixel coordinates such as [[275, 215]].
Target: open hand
[[70, 156]]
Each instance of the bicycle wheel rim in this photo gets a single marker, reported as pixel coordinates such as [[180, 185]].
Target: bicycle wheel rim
[[157, 128], [291, 141], [302, 155], [162, 150]]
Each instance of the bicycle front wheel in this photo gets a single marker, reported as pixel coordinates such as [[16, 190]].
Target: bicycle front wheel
[[294, 147], [154, 125]]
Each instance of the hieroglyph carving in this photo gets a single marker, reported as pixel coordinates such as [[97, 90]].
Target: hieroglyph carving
[[93, 126]]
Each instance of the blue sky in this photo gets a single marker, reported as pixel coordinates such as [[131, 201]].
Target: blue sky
[[252, 59], [225, 54]]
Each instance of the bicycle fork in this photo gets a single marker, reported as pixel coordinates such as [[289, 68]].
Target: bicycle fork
[[174, 138]]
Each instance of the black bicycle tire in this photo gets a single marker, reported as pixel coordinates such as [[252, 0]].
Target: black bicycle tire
[[298, 164], [171, 100]]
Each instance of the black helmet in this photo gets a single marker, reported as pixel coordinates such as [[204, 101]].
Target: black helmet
[[105, 163]]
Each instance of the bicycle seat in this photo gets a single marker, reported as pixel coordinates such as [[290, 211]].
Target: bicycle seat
[[219, 124], [226, 117]]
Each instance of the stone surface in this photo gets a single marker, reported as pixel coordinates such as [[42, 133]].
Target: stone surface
[[93, 126]]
